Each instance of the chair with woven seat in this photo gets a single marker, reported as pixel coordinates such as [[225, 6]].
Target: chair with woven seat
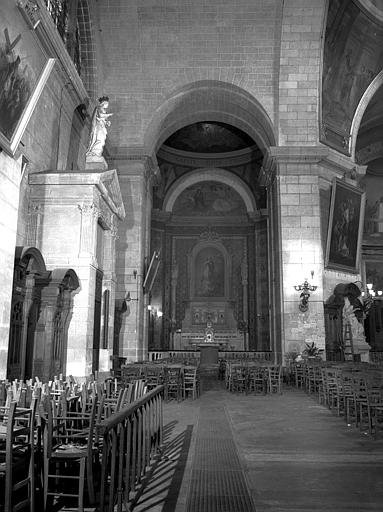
[[17, 435], [190, 382], [274, 381], [154, 375], [257, 379], [173, 382], [238, 378], [69, 454]]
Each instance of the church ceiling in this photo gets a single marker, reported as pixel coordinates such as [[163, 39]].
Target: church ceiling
[[352, 59], [209, 137]]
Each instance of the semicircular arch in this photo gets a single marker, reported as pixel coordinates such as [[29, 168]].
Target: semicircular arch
[[30, 256], [210, 174], [363, 104], [213, 101]]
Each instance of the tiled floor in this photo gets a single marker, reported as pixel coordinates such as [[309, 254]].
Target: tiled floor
[[295, 455]]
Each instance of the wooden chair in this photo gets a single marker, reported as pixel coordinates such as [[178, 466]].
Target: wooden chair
[[154, 376], [17, 435], [257, 379], [372, 405], [299, 375], [173, 382], [69, 454], [274, 381], [238, 378], [130, 373], [190, 382]]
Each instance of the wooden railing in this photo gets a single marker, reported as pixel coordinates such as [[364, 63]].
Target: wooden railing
[[130, 440], [158, 355]]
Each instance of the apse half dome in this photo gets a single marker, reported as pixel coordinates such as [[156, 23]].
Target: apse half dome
[[209, 137]]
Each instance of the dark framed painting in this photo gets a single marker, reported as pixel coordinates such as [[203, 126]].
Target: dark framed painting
[[373, 273], [345, 227], [24, 70]]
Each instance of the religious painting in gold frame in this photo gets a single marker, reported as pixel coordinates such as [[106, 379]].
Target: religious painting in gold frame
[[24, 71], [345, 227]]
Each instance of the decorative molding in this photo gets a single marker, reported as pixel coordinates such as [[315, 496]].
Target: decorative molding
[[35, 211], [209, 235], [336, 138]]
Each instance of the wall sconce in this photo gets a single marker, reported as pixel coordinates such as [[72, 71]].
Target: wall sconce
[[374, 294], [157, 313], [305, 289], [369, 295]]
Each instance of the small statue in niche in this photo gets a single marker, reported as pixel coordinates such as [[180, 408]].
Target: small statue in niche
[[98, 130], [209, 332]]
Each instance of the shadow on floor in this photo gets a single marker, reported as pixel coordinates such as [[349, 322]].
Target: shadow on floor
[[161, 486]]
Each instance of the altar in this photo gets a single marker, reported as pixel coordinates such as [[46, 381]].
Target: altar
[[208, 353], [209, 349]]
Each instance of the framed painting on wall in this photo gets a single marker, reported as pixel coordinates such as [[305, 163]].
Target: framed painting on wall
[[373, 273], [345, 227], [24, 70]]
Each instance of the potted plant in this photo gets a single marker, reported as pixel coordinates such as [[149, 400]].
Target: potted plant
[[311, 351]]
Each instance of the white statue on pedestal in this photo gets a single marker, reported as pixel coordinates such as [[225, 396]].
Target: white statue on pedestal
[[98, 131]]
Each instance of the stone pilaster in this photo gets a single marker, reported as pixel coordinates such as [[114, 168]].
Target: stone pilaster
[[133, 256], [297, 202]]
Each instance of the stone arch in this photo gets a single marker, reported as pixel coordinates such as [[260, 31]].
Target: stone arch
[[214, 101], [29, 266], [207, 174], [30, 256], [363, 104]]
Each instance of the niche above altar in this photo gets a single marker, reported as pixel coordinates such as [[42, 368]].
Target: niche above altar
[[210, 275]]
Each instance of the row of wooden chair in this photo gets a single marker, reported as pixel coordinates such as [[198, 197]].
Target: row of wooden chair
[[353, 391], [179, 380], [254, 378]]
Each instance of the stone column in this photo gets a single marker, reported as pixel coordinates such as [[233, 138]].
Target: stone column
[[245, 312], [174, 274], [133, 255]]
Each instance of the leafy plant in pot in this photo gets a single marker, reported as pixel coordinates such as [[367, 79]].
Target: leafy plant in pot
[[311, 351]]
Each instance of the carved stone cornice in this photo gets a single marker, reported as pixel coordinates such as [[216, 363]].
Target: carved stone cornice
[[326, 163], [72, 183], [231, 159]]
